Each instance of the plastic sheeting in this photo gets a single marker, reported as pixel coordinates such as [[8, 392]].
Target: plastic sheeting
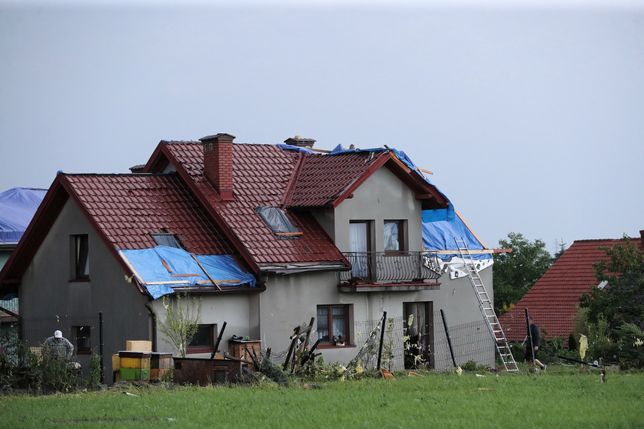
[[163, 268], [440, 231], [295, 148], [17, 207]]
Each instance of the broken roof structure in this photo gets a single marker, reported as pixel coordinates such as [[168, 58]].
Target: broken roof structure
[[191, 190]]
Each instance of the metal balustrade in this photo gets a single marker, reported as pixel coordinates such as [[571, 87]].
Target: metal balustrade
[[391, 267]]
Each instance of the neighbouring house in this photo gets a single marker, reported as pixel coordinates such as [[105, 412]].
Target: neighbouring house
[[17, 207], [554, 299], [266, 236]]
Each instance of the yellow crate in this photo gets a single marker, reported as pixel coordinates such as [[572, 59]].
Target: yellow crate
[[116, 362], [130, 362], [138, 346]]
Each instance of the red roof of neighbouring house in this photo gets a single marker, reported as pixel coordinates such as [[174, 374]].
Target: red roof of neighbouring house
[[265, 175], [554, 298]]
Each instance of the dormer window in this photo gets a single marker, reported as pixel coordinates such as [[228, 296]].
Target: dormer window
[[278, 222], [166, 239]]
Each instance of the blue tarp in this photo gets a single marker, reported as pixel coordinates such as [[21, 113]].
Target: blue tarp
[[295, 148], [441, 229], [17, 207], [182, 270]]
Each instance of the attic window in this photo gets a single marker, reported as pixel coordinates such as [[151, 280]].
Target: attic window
[[278, 222], [166, 239]]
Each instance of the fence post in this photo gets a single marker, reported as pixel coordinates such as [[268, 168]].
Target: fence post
[[382, 337], [100, 344], [449, 341]]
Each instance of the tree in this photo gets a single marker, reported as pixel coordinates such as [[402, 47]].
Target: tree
[[516, 272], [614, 314], [181, 321]]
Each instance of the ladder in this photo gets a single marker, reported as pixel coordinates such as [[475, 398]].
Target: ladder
[[487, 309]]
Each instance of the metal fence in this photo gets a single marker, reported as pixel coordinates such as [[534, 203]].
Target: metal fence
[[470, 342], [391, 266]]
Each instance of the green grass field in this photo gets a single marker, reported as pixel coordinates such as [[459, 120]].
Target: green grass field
[[551, 400]]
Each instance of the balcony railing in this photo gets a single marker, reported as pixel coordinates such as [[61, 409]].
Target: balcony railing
[[391, 267]]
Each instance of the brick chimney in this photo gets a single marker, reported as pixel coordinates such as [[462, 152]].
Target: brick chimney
[[300, 141], [218, 163]]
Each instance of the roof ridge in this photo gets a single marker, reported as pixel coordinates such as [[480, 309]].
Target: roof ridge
[[588, 240], [119, 174]]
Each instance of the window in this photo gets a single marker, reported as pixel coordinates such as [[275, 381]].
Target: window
[[82, 339], [204, 340], [166, 239], [278, 222], [394, 236], [333, 324], [79, 247]]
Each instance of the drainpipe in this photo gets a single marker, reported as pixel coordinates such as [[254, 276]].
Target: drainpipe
[[153, 319]]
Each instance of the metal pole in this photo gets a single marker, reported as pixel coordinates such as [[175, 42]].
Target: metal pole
[[382, 337], [449, 341], [100, 344], [527, 324]]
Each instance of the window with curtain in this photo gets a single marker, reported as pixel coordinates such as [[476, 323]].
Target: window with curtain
[[333, 324], [394, 236]]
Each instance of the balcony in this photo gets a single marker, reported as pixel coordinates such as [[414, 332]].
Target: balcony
[[399, 271]]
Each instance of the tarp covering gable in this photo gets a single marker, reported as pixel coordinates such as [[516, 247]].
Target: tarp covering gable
[[163, 268], [17, 207], [441, 229]]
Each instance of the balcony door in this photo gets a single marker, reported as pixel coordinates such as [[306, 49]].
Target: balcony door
[[418, 322], [359, 246]]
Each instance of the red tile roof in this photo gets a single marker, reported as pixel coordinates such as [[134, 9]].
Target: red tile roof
[[261, 175], [554, 298], [323, 178], [127, 208]]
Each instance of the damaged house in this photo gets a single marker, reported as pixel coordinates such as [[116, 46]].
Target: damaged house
[[266, 236]]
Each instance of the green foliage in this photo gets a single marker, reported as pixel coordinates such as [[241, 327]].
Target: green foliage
[[181, 321], [516, 272], [94, 376], [57, 374], [613, 317]]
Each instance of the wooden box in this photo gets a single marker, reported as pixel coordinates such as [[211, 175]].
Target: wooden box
[[239, 349], [138, 346]]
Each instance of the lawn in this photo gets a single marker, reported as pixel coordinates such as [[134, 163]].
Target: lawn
[[550, 400]]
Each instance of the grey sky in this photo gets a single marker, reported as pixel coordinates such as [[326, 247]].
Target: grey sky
[[531, 118]]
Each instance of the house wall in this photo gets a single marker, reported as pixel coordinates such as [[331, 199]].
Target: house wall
[[50, 301], [240, 312], [292, 300], [382, 196]]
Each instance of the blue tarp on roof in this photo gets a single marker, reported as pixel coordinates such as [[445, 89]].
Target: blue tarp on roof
[[441, 228], [175, 267], [17, 207]]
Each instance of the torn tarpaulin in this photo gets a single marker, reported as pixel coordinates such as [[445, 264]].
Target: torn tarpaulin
[[163, 268]]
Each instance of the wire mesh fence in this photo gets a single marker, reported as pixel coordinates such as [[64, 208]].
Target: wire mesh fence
[[406, 348]]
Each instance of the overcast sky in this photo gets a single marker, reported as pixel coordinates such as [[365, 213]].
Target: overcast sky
[[531, 118]]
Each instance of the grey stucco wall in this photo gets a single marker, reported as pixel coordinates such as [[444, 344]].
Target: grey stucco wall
[[383, 196], [292, 300], [240, 312], [50, 301]]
